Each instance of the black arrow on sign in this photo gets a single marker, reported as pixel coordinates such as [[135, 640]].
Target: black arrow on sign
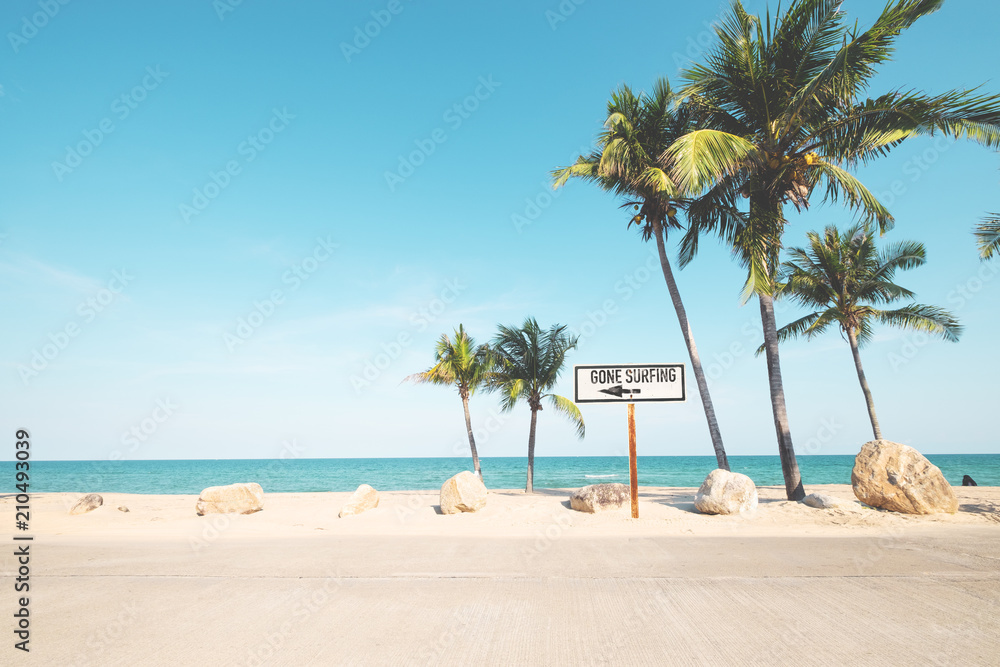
[[618, 391]]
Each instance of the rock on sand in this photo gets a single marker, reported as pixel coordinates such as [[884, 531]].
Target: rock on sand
[[896, 477], [464, 492], [88, 503], [725, 492], [245, 498], [599, 497], [821, 501], [362, 500]]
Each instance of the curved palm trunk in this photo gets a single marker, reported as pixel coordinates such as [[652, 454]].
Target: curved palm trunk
[[789, 466], [530, 486], [472, 439], [864, 384], [699, 373]]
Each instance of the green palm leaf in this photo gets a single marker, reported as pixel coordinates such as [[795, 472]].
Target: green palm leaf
[[568, 408], [703, 157], [842, 185], [929, 319], [988, 236]]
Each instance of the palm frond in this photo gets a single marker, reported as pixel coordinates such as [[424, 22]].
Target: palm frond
[[929, 319], [585, 167], [808, 325], [569, 409], [843, 185], [988, 236], [702, 157]]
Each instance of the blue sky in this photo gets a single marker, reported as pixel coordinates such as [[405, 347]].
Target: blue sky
[[229, 227]]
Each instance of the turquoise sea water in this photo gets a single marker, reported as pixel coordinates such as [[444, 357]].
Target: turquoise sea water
[[291, 475]]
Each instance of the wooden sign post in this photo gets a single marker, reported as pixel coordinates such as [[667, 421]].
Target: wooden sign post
[[630, 384], [633, 473]]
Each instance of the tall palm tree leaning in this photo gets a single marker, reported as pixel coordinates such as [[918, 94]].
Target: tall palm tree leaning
[[528, 363], [845, 279], [638, 129], [466, 366], [780, 110]]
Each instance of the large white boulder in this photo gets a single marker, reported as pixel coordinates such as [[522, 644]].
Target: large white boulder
[[599, 497], [362, 500], [464, 492], [244, 498], [897, 477], [725, 492]]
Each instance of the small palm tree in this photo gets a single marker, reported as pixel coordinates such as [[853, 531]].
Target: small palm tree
[[988, 236], [528, 363], [638, 129], [846, 280], [466, 366]]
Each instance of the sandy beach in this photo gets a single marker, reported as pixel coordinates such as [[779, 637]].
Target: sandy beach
[[524, 581]]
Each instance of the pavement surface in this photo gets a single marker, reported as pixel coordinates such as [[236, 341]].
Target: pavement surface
[[912, 599]]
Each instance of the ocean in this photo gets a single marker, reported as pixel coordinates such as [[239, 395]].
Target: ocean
[[406, 474]]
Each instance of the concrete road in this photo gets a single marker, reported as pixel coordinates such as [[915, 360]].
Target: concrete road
[[912, 599]]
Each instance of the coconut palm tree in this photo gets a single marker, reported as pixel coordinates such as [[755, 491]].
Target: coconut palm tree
[[464, 365], [528, 363], [988, 236], [780, 109], [638, 129], [844, 279]]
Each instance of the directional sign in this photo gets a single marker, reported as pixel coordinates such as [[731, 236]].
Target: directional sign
[[619, 391], [629, 383]]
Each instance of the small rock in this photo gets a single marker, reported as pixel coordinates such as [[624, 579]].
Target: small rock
[[968, 481], [245, 498], [123, 509], [821, 501], [896, 477], [464, 492], [362, 500], [600, 497], [725, 492], [88, 503]]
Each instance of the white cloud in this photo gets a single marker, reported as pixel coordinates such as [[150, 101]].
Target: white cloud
[[30, 270]]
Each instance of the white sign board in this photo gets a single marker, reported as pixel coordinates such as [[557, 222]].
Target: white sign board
[[629, 383]]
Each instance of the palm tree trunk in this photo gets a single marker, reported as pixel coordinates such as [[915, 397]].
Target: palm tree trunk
[[789, 466], [864, 384], [530, 486], [472, 440], [699, 373]]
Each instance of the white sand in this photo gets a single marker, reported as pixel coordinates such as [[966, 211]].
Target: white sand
[[524, 581], [509, 513]]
